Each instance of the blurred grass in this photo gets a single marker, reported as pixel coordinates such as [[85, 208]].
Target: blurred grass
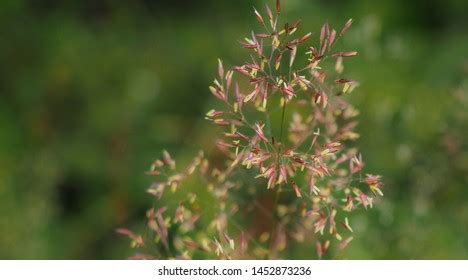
[[91, 91]]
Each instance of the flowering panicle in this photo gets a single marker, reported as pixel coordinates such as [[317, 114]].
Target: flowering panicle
[[289, 174]]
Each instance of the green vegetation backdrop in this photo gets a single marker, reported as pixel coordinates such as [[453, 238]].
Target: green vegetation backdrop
[[91, 91]]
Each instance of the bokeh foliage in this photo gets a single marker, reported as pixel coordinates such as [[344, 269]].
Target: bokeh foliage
[[90, 92]]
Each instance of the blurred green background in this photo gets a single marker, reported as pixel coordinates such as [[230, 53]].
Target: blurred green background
[[91, 91]]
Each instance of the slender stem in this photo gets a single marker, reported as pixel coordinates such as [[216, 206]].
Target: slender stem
[[278, 190], [282, 121], [274, 223]]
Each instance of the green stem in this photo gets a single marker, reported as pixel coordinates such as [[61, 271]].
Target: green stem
[[282, 121], [278, 190]]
